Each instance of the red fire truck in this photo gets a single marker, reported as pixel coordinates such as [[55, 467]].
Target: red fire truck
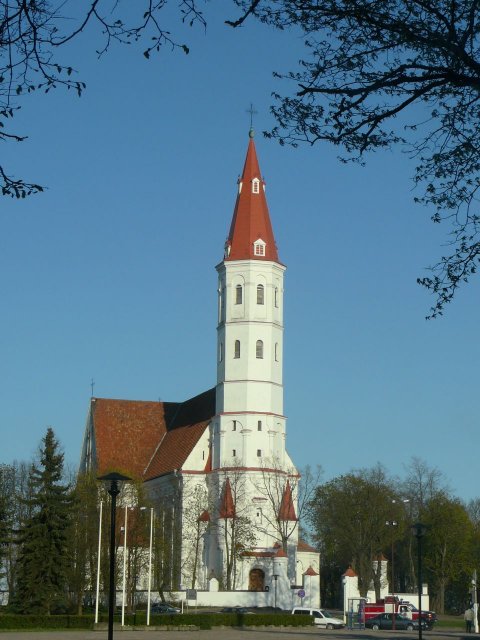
[[392, 604]]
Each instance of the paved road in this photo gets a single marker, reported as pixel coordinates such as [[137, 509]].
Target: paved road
[[250, 633]]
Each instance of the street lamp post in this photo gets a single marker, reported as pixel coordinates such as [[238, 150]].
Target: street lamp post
[[275, 577], [419, 530], [112, 482], [393, 523]]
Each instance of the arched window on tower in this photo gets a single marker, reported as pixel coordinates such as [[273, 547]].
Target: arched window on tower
[[237, 349], [276, 297], [259, 349], [276, 352], [238, 294], [260, 294]]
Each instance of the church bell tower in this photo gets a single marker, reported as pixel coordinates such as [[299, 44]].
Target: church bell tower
[[249, 423]]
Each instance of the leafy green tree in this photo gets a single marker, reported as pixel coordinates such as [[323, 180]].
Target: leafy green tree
[[83, 539], [447, 545], [348, 516], [14, 493], [383, 73], [43, 557], [421, 484]]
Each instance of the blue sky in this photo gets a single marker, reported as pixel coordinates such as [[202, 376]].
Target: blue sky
[[110, 273]]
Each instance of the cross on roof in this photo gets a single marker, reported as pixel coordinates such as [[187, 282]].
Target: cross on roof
[[252, 112]]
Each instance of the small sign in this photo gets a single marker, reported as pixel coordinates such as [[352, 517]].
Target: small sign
[[191, 594], [301, 593]]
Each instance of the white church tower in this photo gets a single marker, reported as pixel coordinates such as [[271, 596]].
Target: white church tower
[[249, 392], [251, 471]]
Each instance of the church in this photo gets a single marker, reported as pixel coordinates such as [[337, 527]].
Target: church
[[215, 466]]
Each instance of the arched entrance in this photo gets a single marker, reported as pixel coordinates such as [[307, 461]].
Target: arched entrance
[[256, 580]]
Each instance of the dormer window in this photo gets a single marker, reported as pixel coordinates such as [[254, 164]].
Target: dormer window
[[259, 247], [255, 185]]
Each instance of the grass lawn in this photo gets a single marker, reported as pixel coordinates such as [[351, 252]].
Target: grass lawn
[[450, 622]]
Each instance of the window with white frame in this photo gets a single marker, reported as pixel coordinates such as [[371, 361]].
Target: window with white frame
[[259, 425], [259, 247], [237, 349], [255, 185]]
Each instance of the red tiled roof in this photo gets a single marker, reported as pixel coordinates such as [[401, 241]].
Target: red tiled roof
[[350, 573], [281, 554], [310, 572], [126, 433], [147, 439], [257, 554], [303, 546], [208, 466], [287, 508], [204, 516], [174, 449], [251, 220]]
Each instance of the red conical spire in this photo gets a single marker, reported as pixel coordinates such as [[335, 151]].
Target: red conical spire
[[251, 220], [227, 505], [287, 508]]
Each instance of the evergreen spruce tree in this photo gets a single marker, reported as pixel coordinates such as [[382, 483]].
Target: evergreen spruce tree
[[43, 557]]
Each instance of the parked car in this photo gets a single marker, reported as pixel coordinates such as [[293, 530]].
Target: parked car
[[321, 617], [234, 610], [163, 607], [385, 621]]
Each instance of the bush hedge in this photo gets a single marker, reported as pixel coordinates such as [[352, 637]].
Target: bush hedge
[[201, 620], [37, 621]]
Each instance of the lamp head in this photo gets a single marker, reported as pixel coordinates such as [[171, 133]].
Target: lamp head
[[113, 481]]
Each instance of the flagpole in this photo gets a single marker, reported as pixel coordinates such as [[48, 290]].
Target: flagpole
[[98, 560], [124, 565], [150, 567]]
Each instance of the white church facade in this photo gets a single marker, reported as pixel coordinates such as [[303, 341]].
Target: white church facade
[[215, 466]]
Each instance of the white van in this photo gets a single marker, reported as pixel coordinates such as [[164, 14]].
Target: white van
[[321, 617]]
